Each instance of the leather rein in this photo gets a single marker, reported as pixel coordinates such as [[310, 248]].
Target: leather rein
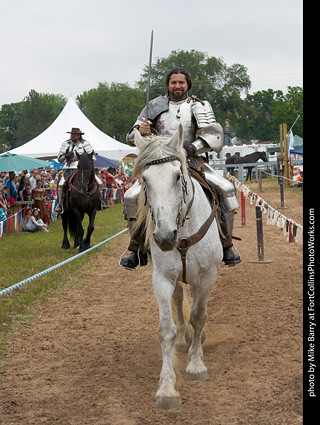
[[183, 244], [81, 191]]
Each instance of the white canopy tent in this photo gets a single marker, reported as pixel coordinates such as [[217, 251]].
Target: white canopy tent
[[47, 144]]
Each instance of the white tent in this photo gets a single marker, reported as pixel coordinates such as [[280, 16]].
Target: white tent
[[47, 144]]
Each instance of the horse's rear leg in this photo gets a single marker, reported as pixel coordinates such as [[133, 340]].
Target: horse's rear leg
[[65, 242], [167, 396], [196, 369]]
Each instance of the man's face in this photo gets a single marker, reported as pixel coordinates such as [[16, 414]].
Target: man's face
[[178, 86], [75, 137]]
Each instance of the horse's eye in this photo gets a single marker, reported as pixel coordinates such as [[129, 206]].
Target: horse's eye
[[178, 177]]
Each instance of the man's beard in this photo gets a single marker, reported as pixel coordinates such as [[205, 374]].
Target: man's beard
[[178, 95]]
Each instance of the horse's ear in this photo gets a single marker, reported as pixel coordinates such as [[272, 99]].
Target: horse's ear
[[139, 141], [176, 141]]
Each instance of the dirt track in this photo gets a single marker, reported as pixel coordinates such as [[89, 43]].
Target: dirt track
[[92, 354]]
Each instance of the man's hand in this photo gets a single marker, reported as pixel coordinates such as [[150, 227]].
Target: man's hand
[[69, 155], [144, 129]]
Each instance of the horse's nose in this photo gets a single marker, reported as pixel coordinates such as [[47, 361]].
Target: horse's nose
[[165, 241]]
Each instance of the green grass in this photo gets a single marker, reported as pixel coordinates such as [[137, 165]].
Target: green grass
[[26, 254]]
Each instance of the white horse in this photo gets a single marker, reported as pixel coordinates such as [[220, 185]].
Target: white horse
[[175, 208]]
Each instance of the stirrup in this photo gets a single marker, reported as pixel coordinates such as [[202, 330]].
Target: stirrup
[[129, 268], [232, 265], [59, 212]]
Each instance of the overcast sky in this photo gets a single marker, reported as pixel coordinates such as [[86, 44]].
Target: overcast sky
[[68, 46]]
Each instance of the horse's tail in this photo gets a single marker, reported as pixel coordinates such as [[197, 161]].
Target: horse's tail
[[71, 223]]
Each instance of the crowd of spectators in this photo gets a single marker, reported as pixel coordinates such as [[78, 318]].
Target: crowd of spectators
[[39, 187]]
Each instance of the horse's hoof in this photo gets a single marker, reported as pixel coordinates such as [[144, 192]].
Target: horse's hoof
[[201, 377], [168, 403], [65, 246]]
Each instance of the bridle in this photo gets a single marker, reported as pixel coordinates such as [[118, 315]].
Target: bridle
[[83, 190], [183, 244], [180, 222]]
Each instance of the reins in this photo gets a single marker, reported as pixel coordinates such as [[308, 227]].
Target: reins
[[184, 244], [81, 191]]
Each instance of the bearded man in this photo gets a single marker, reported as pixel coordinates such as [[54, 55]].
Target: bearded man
[[201, 133]]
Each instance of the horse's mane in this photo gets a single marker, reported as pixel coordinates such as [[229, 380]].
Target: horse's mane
[[156, 148]]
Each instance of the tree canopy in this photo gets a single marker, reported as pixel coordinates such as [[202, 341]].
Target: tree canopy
[[113, 107]]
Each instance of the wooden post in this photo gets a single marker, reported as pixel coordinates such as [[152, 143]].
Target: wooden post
[[281, 141], [243, 210], [286, 156], [260, 180], [259, 234]]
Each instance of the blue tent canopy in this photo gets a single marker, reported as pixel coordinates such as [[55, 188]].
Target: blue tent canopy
[[298, 150], [101, 161]]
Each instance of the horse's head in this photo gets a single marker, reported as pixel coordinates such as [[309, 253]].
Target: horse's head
[[263, 156], [85, 169], [161, 164]]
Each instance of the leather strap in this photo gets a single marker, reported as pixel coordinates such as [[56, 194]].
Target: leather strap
[[185, 243]]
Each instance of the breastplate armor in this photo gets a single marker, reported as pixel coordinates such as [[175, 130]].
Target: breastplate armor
[[168, 121]]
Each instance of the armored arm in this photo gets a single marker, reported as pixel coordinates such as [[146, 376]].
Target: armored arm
[[209, 136], [63, 151], [156, 106]]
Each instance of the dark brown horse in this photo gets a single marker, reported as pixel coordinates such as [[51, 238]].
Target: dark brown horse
[[247, 159], [82, 198]]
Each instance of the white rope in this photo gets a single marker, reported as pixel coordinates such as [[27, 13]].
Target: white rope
[[274, 217], [50, 269]]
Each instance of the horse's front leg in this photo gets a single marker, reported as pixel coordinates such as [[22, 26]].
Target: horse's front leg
[[167, 396], [196, 369], [90, 229], [78, 241], [181, 307]]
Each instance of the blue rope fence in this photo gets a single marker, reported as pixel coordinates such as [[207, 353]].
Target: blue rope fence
[[50, 269]]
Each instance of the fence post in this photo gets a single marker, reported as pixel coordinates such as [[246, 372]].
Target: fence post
[[260, 180], [261, 259], [243, 209], [259, 234]]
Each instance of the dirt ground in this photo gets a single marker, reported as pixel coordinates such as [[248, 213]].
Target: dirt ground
[[92, 355]]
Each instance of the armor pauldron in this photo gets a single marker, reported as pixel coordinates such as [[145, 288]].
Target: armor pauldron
[[203, 113]]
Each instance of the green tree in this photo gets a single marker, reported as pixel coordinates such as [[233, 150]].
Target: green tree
[[286, 110], [38, 111], [112, 108], [258, 124], [10, 114]]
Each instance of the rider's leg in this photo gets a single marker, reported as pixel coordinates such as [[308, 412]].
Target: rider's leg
[[61, 193], [229, 203], [102, 204], [137, 255]]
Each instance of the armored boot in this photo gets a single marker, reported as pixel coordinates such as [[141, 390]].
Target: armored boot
[[102, 205], [61, 195], [137, 257], [230, 258]]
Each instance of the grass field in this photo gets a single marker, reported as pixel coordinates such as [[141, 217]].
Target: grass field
[[26, 254]]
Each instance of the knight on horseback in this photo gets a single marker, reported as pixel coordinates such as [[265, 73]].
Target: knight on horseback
[[202, 133], [69, 150]]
